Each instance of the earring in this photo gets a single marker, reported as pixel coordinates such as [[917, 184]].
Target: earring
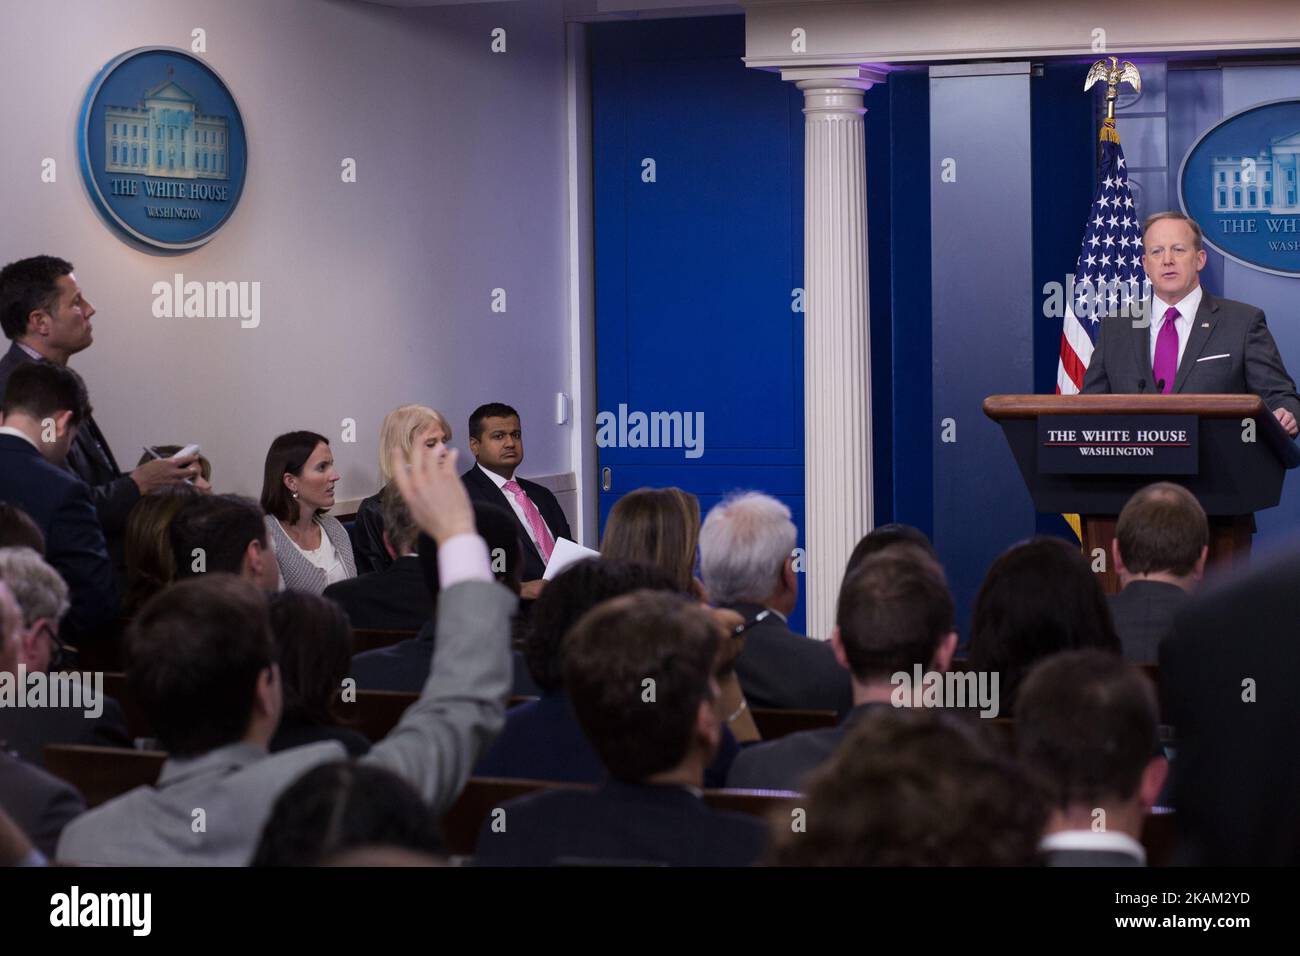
[[295, 494]]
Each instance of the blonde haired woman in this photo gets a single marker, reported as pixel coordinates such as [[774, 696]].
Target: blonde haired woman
[[404, 429]]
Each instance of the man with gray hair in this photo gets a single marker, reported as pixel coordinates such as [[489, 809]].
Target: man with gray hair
[[42, 600], [747, 563]]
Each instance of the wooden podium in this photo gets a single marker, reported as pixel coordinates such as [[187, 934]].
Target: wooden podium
[[1236, 469]]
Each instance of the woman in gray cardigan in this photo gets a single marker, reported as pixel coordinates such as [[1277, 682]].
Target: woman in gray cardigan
[[312, 548]]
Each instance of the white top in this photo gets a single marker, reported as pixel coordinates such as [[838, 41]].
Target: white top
[[518, 509], [1186, 316], [1106, 840], [324, 557]]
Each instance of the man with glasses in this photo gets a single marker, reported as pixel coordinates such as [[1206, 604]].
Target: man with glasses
[[42, 598]]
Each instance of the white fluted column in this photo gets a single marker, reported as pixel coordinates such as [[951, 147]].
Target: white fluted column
[[837, 331]]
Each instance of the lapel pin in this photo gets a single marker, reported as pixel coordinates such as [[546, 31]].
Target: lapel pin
[[1205, 325]]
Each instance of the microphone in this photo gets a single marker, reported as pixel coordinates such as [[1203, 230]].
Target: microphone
[[1160, 385]]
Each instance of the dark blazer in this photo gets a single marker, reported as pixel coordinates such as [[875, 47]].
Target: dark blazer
[[27, 731], [1236, 777], [59, 502], [368, 536], [1229, 350], [779, 668], [405, 666], [543, 740], [394, 599], [90, 458], [1144, 614], [481, 488], [620, 824], [295, 730], [785, 764], [40, 804]]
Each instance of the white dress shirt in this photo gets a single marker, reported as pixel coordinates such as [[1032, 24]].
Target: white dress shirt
[[1186, 316], [1090, 840], [518, 509]]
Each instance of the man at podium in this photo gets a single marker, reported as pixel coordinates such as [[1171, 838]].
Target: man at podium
[[1186, 340]]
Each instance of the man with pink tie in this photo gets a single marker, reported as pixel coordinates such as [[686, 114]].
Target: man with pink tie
[[496, 440]]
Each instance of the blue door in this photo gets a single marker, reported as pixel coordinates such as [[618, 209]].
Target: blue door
[[698, 169]]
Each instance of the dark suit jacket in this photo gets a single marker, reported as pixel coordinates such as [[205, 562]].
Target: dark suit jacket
[[367, 533], [779, 668], [90, 458], [395, 599], [27, 731], [1229, 350], [405, 666], [481, 488], [40, 804], [1144, 613], [785, 764], [59, 502], [1236, 776], [296, 730], [543, 740], [620, 823]]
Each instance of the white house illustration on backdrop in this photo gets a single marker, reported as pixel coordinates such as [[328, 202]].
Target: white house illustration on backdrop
[[165, 136], [1271, 189]]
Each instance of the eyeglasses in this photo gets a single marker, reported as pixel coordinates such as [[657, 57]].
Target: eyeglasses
[[60, 653], [740, 629]]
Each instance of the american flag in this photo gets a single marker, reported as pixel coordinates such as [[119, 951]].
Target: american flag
[[1109, 274]]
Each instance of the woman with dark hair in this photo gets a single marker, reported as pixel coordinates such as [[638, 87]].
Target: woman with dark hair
[[1038, 598], [659, 527], [311, 547], [337, 807], [314, 642], [147, 545]]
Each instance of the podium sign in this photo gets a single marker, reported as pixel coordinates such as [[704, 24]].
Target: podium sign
[[1118, 444]]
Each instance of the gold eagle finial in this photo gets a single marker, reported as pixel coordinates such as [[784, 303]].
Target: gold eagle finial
[[1113, 73]]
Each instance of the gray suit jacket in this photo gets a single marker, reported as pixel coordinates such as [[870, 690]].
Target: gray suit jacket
[[1229, 350], [40, 804], [785, 764], [434, 747], [1144, 615], [298, 573]]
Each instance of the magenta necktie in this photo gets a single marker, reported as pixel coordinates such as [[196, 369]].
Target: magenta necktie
[[545, 543], [1165, 366]]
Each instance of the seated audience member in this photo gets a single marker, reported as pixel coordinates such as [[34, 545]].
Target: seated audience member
[[1160, 546], [915, 787], [894, 613], [1228, 671], [200, 482], [344, 806], [747, 564], [404, 665], [656, 526], [147, 547], [886, 536], [41, 805], [497, 442], [1087, 728], [1038, 598], [312, 547], [42, 598], [33, 477], [18, 530], [403, 429], [315, 648], [649, 811], [542, 739], [203, 668], [394, 598], [224, 533]]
